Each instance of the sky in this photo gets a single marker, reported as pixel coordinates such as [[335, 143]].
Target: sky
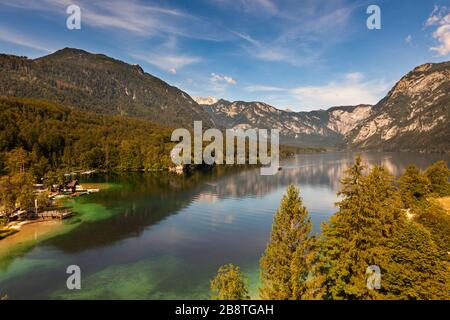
[[293, 54]]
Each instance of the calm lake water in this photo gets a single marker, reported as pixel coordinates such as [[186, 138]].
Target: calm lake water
[[163, 237]]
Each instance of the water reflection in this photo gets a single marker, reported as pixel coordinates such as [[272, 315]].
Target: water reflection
[[323, 169], [163, 236]]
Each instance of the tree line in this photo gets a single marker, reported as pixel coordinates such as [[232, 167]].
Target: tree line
[[381, 224], [55, 138], [40, 141]]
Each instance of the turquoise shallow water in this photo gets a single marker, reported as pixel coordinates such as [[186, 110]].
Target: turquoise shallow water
[[164, 237]]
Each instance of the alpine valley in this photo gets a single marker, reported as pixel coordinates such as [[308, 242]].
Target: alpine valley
[[414, 116]]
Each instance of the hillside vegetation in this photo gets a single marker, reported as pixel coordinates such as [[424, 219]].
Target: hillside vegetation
[[97, 83]]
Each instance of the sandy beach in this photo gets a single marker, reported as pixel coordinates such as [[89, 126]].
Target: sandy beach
[[30, 231]]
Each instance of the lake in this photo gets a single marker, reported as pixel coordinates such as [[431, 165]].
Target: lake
[[160, 236]]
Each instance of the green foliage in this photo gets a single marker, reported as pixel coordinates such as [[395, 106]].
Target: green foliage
[[17, 160], [285, 263], [370, 229], [7, 197], [49, 138], [416, 269], [229, 284], [435, 219], [438, 174], [16, 191], [97, 83], [414, 186], [356, 235]]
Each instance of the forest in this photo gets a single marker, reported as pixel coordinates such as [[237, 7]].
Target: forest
[[52, 137], [394, 227]]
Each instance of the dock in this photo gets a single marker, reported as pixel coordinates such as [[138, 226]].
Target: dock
[[54, 214]]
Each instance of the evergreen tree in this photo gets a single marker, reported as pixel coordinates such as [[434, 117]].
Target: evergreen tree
[[17, 161], [229, 284], [438, 174], [24, 190], [7, 197], [414, 186], [354, 239], [437, 221], [416, 269], [285, 263]]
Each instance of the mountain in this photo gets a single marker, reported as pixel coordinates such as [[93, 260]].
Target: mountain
[[100, 84], [205, 100], [314, 128], [414, 115]]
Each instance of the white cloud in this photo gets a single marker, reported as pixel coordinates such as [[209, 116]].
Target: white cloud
[[302, 32], [354, 76], [408, 39], [262, 88], [442, 34], [132, 16], [168, 63], [21, 40], [440, 17], [276, 52], [436, 15], [265, 5], [220, 78], [255, 7], [349, 89]]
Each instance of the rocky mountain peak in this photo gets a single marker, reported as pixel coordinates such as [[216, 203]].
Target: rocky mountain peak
[[413, 116], [205, 100]]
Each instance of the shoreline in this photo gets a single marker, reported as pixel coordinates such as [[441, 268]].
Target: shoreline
[[29, 231], [18, 227]]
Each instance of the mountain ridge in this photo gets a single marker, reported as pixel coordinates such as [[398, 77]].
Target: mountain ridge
[[322, 128], [414, 114], [98, 83]]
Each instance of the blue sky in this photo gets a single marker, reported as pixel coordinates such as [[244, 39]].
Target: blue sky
[[294, 54]]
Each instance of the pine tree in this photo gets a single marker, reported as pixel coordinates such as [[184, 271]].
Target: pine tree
[[416, 268], [414, 186], [354, 239], [229, 284], [437, 221], [284, 265], [438, 174]]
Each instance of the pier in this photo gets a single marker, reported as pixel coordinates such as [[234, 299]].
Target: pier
[[54, 214]]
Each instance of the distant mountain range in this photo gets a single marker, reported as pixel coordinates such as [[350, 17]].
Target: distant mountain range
[[413, 116], [314, 128]]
